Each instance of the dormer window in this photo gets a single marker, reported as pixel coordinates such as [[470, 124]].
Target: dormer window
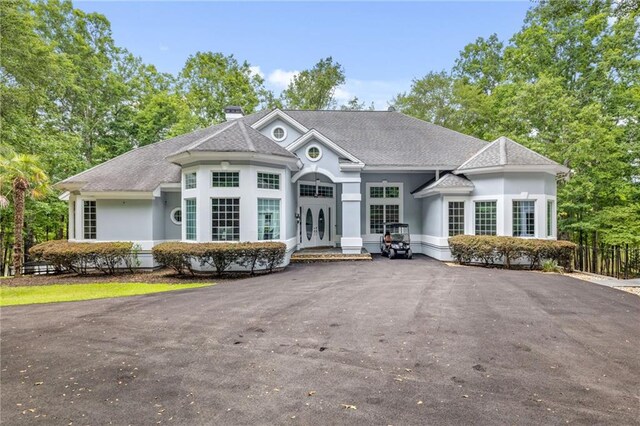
[[278, 133]]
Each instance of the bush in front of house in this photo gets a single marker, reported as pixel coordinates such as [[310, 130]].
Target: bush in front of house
[[67, 256], [220, 256], [491, 250]]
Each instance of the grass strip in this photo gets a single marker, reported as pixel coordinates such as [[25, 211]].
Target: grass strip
[[27, 295]]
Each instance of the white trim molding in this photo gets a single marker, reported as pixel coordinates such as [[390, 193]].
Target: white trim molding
[[315, 169], [551, 169], [314, 134], [278, 113]]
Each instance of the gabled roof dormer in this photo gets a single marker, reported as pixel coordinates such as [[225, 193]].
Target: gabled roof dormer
[[313, 134], [279, 114]]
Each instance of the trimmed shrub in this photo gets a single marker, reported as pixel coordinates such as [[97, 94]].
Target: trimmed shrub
[[220, 256], [495, 249], [80, 257]]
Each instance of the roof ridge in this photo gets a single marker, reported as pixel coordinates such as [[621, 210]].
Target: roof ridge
[[483, 149], [529, 149], [208, 137], [503, 151], [247, 138]]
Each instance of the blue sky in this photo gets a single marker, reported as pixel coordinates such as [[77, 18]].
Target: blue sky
[[382, 45]]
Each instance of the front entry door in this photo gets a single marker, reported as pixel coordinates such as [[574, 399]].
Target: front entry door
[[316, 226]]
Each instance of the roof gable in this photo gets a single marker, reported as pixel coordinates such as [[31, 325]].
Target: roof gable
[[449, 183], [505, 152]]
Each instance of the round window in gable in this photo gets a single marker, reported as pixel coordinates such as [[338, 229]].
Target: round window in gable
[[278, 133], [176, 216], [314, 153]]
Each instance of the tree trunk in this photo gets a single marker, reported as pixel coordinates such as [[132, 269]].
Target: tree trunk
[[19, 188]]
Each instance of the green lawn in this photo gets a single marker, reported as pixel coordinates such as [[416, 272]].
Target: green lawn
[[27, 295]]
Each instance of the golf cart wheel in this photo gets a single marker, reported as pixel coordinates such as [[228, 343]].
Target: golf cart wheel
[[392, 253], [409, 254]]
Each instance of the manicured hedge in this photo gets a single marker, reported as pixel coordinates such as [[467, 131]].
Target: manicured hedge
[[220, 256], [492, 250], [80, 257]]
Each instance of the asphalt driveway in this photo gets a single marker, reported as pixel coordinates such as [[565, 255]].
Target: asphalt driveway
[[384, 342]]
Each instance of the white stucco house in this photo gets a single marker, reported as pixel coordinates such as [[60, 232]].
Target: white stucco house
[[316, 178]]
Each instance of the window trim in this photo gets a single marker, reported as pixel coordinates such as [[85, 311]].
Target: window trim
[[185, 219], [313, 145], [383, 201], [280, 180], [535, 217], [273, 133], [212, 171], [489, 200], [219, 197], [279, 221], [448, 217], [195, 173], [173, 212], [551, 218], [84, 220]]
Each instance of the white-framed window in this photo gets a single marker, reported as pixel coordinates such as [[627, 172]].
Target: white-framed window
[[524, 218], [225, 219], [176, 216], [268, 180], [268, 219], [550, 218], [225, 179], [90, 220], [486, 217], [314, 152], [456, 217], [190, 180], [190, 216], [279, 133], [384, 205], [310, 190]]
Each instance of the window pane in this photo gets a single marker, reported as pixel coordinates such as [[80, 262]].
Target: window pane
[[310, 191], [268, 181], [376, 218], [392, 213], [90, 224], [189, 180], [225, 219], [392, 192], [376, 192], [268, 219], [456, 218], [225, 179], [486, 218], [190, 205], [524, 218], [549, 218]]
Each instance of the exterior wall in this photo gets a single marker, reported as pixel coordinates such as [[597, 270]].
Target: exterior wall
[[411, 209], [124, 220], [291, 133], [171, 200]]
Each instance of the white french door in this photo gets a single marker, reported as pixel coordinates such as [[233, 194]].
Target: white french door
[[316, 225]]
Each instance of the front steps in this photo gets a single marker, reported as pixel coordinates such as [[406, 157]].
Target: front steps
[[327, 255]]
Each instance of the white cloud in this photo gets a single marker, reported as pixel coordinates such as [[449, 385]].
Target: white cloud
[[255, 70], [163, 47], [380, 92], [280, 79], [342, 95]]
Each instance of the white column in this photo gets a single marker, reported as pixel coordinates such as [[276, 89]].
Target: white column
[[72, 218], [79, 231], [351, 240]]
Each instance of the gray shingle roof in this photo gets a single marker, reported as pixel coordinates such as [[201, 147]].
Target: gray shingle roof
[[505, 152], [448, 181], [236, 137], [387, 138]]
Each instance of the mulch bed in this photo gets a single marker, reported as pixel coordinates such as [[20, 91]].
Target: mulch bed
[[159, 276]]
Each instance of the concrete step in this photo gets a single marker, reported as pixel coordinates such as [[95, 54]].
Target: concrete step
[[328, 257]]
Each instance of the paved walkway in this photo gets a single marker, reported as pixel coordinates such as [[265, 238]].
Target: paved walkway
[[385, 342]]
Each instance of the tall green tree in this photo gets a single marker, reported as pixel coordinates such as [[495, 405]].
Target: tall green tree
[[212, 81], [22, 176], [314, 89]]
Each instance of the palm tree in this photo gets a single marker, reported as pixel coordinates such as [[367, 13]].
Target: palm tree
[[21, 175]]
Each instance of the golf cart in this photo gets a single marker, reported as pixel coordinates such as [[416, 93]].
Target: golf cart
[[400, 244]]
